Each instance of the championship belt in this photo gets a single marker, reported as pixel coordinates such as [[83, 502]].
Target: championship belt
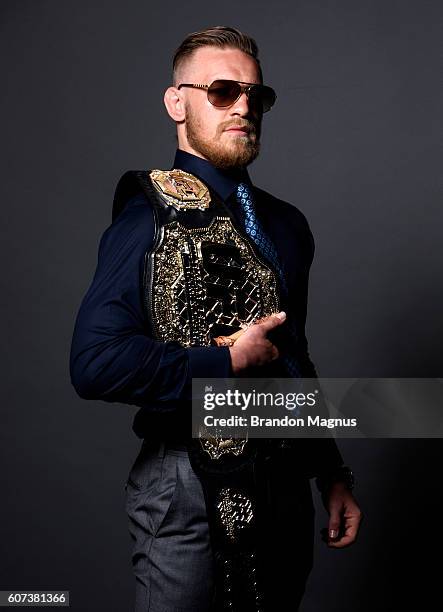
[[205, 282]]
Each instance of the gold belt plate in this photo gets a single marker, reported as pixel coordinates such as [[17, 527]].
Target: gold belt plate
[[180, 189]]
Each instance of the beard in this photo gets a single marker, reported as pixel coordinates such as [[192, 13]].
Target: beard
[[240, 151]]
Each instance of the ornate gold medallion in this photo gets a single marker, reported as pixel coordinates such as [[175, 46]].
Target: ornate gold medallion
[[180, 189], [235, 511], [216, 447]]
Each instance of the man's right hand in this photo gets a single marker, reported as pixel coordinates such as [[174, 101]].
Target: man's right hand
[[253, 347]]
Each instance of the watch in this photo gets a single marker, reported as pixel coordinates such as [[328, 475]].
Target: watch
[[341, 474]]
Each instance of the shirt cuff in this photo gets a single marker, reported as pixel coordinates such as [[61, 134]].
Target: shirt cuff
[[209, 362]]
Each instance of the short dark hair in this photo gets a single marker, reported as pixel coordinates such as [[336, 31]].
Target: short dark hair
[[218, 36]]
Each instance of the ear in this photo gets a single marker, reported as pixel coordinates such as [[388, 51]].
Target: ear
[[174, 103]]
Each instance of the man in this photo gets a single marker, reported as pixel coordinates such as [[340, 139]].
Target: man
[[202, 274]]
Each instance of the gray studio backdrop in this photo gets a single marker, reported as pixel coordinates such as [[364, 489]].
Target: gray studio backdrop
[[352, 141]]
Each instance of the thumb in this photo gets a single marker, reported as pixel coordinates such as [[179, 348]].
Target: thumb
[[334, 523], [277, 318]]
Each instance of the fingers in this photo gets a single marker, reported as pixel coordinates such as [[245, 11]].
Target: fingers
[[275, 352], [349, 529], [237, 334], [250, 347], [264, 325], [271, 321], [345, 540], [334, 523], [269, 352], [341, 543]]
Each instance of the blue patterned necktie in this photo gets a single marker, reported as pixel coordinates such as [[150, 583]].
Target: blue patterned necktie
[[266, 247], [255, 230]]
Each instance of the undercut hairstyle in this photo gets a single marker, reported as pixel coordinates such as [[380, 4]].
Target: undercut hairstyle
[[218, 36]]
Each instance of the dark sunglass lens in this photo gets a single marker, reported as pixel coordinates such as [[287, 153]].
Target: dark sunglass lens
[[262, 97], [223, 93], [268, 97]]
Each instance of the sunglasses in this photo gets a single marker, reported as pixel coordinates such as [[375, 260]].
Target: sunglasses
[[223, 93]]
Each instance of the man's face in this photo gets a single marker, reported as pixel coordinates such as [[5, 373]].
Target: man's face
[[227, 137]]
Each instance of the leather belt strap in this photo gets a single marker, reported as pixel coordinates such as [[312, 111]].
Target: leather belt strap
[[236, 495]]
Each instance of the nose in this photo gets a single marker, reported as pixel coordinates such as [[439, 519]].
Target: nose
[[241, 106]]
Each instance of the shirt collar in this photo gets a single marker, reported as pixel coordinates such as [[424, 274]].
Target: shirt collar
[[224, 182]]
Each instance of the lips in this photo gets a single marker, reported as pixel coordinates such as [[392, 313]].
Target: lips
[[237, 129]]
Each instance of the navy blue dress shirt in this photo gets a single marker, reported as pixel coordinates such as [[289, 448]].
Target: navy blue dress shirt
[[112, 356]]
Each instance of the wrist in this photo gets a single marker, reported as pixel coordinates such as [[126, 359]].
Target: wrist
[[342, 474], [238, 360]]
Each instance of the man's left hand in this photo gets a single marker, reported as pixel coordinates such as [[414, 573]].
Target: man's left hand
[[344, 516]]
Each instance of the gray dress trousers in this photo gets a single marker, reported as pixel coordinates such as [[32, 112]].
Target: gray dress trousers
[[171, 556]]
